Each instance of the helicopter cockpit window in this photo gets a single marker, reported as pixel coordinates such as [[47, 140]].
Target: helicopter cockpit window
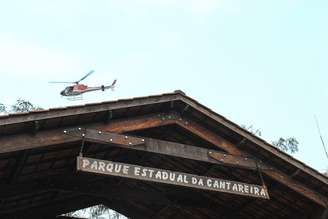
[[69, 89]]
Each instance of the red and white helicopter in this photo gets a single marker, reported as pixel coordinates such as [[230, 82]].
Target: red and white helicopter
[[79, 89]]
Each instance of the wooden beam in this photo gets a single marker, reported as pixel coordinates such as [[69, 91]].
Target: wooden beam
[[166, 148], [272, 186], [56, 136], [250, 137], [89, 108], [272, 173], [209, 136], [136, 123], [46, 138], [28, 141]]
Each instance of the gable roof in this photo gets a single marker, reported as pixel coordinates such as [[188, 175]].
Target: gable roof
[[177, 100], [23, 129]]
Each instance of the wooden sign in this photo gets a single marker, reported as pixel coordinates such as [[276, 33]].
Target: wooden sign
[[131, 171]]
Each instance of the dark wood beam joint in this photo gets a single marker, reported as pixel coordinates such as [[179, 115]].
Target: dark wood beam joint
[[294, 174], [185, 109], [36, 126], [171, 104], [109, 116], [238, 161]]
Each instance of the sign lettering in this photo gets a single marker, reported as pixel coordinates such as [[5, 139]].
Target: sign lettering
[[106, 167]]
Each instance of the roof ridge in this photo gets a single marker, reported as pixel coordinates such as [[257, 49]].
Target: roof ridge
[[6, 115]]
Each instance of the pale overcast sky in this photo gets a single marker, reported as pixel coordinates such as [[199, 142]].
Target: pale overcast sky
[[260, 62]]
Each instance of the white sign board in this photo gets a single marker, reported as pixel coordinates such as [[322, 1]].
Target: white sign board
[[131, 171]]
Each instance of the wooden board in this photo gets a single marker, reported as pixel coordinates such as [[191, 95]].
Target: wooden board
[[111, 168]]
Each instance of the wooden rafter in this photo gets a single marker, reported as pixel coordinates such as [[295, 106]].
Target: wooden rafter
[[45, 138], [272, 173]]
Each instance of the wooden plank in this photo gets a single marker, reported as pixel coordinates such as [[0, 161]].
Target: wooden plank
[[27, 141], [137, 172], [258, 141], [209, 136], [135, 123], [166, 148], [45, 138], [57, 136], [272, 173], [90, 108]]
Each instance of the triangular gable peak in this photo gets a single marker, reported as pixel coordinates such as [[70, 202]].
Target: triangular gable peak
[[172, 117]]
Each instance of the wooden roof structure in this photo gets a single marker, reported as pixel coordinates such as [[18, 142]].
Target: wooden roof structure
[[39, 179]]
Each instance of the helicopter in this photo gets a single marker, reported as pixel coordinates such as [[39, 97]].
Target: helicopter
[[78, 89]]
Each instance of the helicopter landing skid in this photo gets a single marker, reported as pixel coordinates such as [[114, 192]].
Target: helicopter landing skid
[[75, 98]]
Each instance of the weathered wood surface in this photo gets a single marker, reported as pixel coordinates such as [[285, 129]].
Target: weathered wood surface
[[57, 136], [46, 138], [166, 148], [273, 173], [89, 108], [131, 171], [247, 135]]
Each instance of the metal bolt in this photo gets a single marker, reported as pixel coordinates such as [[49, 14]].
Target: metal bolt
[[142, 140], [110, 139], [210, 152], [79, 129], [83, 135], [224, 155], [65, 131], [125, 137], [130, 143], [99, 132]]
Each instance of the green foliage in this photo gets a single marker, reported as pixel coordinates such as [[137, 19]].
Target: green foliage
[[95, 212], [98, 210], [20, 106], [3, 108], [285, 144], [252, 130]]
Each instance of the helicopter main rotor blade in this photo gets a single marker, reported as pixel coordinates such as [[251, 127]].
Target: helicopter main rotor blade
[[87, 75], [60, 82]]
